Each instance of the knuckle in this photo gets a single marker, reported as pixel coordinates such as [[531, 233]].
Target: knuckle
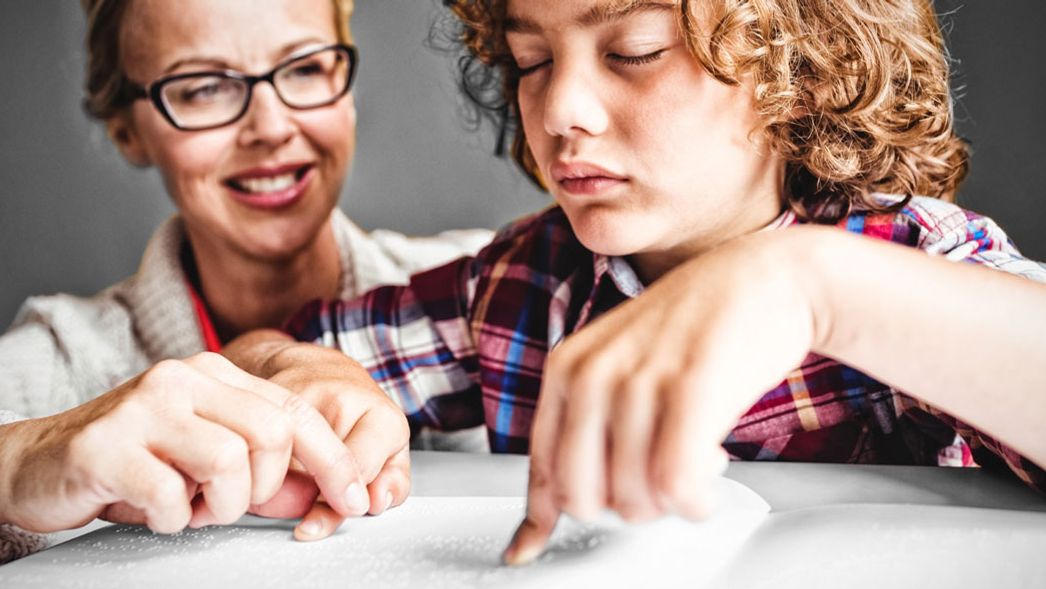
[[641, 384], [207, 360], [274, 432], [166, 370], [540, 477], [394, 422], [560, 363], [229, 455], [340, 465], [587, 381], [165, 496], [163, 377], [300, 411]]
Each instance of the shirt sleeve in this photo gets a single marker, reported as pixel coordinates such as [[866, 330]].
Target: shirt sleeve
[[415, 341], [961, 235]]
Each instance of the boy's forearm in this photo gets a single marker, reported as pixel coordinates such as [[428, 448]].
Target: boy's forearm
[[966, 339]]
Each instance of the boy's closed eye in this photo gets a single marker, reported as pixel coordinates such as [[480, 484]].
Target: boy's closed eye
[[525, 67], [630, 39]]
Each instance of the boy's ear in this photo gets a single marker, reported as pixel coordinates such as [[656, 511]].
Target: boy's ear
[[125, 135]]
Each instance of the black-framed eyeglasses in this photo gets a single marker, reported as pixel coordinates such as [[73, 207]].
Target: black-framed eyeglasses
[[205, 100]]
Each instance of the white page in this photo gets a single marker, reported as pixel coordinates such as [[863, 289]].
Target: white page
[[428, 542]]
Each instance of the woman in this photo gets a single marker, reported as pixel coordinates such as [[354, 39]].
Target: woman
[[254, 168]]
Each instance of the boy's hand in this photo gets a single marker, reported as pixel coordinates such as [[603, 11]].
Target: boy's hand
[[373, 429], [634, 407]]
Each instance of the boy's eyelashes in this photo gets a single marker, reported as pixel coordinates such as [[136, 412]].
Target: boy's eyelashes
[[629, 60], [638, 59], [522, 71]]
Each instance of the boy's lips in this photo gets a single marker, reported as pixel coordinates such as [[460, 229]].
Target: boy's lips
[[579, 177], [270, 187]]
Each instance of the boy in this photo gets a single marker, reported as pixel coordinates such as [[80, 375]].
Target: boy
[[700, 155]]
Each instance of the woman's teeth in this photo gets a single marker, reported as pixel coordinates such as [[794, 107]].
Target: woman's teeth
[[270, 184]]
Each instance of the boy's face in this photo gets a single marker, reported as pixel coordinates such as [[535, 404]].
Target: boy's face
[[648, 155]]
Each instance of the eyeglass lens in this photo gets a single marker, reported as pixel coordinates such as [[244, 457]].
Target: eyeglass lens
[[210, 100]]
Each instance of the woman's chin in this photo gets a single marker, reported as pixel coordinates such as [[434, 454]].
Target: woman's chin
[[275, 246]]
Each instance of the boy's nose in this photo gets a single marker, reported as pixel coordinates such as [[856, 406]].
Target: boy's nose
[[573, 104]]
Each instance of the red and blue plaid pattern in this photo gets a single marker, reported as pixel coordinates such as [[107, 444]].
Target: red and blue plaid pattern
[[465, 344]]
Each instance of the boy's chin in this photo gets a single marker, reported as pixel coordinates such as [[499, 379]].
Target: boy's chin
[[610, 245]]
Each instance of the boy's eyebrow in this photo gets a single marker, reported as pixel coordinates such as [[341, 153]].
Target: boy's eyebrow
[[601, 13]]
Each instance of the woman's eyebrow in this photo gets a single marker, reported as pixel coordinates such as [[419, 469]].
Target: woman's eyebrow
[[218, 62], [601, 13]]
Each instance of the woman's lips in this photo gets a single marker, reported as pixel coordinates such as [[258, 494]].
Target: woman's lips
[[271, 189]]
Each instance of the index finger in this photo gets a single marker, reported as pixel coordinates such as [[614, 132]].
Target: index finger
[[316, 445], [542, 510]]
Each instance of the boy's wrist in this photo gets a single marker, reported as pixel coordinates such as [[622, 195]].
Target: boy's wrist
[[813, 256]]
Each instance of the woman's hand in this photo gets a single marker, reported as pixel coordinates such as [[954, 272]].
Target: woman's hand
[[186, 443], [372, 428], [634, 407]]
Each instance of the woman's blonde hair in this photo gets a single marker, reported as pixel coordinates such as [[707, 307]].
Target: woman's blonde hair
[[106, 87], [853, 94]]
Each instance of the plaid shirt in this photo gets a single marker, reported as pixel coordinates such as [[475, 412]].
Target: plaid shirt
[[465, 344]]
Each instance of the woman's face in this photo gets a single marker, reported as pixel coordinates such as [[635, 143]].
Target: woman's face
[[263, 186], [647, 154]]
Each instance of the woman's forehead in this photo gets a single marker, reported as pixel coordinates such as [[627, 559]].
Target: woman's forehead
[[158, 33]]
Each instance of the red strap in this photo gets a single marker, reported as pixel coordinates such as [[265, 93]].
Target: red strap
[[210, 335]]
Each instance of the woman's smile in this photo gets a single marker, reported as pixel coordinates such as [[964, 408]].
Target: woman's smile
[[271, 187]]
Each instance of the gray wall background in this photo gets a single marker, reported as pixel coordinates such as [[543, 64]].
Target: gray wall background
[[75, 218]]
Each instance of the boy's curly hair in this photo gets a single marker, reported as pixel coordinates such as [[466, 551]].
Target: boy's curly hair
[[853, 94]]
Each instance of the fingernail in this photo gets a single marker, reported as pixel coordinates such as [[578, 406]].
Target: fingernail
[[356, 498], [517, 556], [310, 528]]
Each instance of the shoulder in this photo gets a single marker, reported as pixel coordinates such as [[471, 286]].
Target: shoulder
[[945, 229], [928, 223], [97, 341], [384, 257], [62, 350], [62, 313]]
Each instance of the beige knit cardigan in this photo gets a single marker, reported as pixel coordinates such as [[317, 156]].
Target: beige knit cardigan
[[63, 350]]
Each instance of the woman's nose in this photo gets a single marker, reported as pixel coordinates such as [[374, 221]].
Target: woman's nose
[[573, 103], [268, 120]]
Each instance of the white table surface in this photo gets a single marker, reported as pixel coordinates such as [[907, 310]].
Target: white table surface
[[785, 486], [830, 525]]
